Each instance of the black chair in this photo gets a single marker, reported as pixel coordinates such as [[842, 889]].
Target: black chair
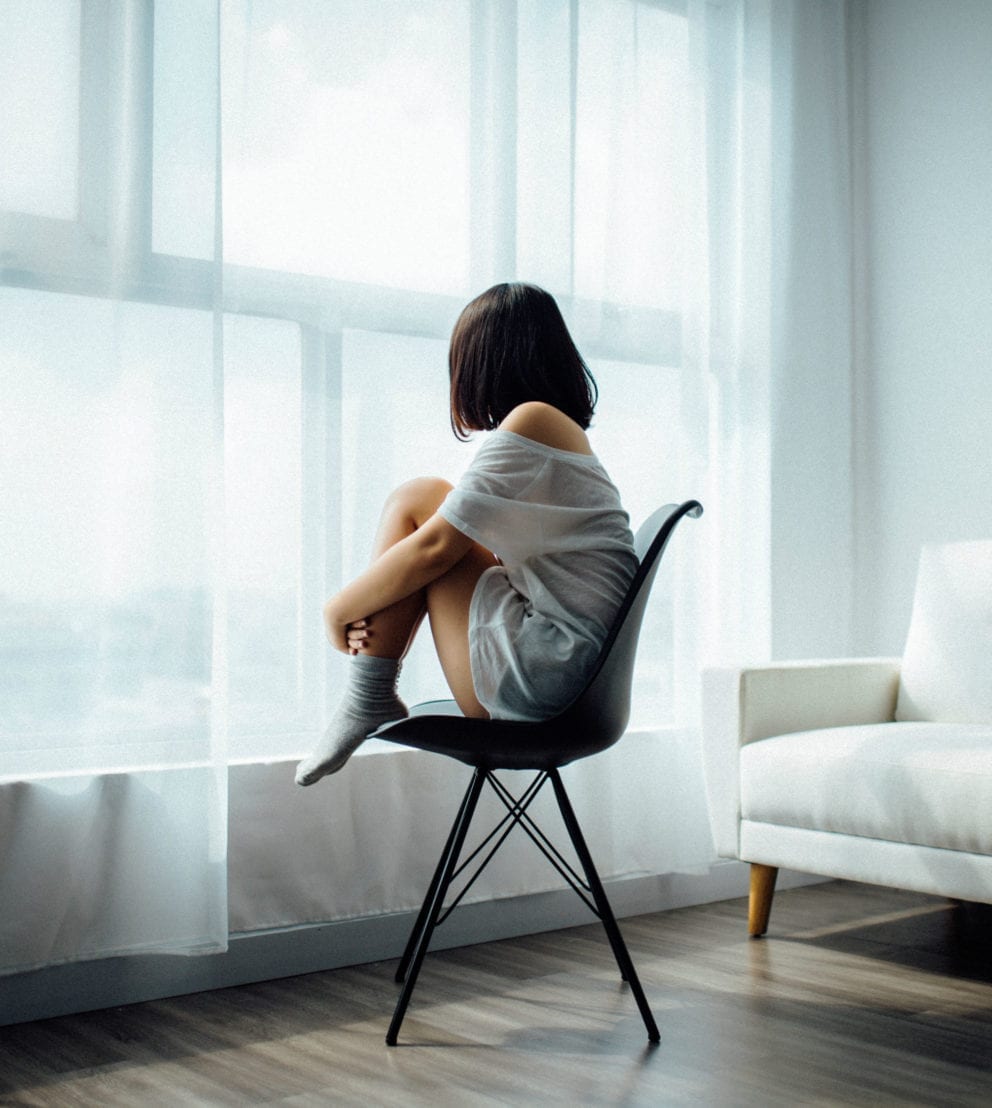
[[595, 720]]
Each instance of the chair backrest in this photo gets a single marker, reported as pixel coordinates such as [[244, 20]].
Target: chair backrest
[[599, 714]]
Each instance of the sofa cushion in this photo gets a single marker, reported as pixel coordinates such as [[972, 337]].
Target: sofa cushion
[[921, 783], [946, 671]]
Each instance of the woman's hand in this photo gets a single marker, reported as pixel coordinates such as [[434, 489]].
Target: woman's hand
[[343, 635], [358, 634], [400, 571], [348, 637]]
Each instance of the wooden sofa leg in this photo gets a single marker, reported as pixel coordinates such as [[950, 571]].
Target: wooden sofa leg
[[760, 904]]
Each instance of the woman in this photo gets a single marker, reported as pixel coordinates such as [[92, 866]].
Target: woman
[[520, 568]]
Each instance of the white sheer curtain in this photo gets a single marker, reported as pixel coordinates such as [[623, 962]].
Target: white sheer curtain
[[381, 167], [113, 791], [727, 321], [383, 163], [208, 412]]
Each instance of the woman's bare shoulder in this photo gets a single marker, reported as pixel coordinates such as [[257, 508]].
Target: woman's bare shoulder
[[548, 425]]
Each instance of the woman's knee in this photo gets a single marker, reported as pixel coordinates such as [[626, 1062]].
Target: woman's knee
[[419, 497]]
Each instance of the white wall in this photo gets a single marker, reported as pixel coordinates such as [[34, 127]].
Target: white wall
[[923, 385]]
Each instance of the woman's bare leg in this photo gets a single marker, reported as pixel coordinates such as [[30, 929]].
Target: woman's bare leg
[[390, 632], [383, 639], [448, 600]]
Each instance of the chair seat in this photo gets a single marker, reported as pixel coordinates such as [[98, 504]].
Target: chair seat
[[439, 727]]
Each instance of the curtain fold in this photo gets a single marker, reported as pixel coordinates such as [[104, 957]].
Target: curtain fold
[[728, 318]]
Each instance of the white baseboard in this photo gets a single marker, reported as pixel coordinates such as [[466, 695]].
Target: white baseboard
[[285, 952]]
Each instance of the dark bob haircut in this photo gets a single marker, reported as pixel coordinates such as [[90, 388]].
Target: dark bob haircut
[[511, 345]]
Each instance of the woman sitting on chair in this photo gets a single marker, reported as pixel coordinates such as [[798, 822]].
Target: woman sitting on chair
[[520, 568]]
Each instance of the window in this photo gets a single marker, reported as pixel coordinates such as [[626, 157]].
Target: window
[[104, 606], [348, 152], [381, 163]]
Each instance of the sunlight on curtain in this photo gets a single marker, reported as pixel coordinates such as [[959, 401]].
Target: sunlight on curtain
[[112, 704], [506, 160], [346, 140], [39, 126], [106, 566], [632, 90]]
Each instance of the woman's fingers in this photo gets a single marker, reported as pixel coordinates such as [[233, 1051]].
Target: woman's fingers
[[358, 635]]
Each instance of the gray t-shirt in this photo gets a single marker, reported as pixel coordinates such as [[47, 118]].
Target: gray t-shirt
[[537, 620]]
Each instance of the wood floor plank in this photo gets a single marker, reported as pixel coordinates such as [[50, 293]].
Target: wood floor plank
[[857, 995]]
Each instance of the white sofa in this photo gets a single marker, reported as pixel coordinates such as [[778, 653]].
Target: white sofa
[[876, 769]]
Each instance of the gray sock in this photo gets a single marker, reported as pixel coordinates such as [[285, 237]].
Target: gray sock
[[370, 700]]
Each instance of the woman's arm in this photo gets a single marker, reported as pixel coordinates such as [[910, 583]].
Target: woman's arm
[[405, 568]]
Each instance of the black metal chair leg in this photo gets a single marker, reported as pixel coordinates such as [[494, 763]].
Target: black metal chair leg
[[617, 945], [603, 905], [457, 840], [418, 927]]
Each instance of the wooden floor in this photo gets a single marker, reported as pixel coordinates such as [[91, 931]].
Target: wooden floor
[[858, 995]]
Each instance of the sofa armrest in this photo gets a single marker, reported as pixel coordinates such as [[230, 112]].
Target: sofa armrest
[[745, 704]]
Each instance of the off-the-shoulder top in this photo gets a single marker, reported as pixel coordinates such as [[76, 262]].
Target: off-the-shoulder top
[[537, 621]]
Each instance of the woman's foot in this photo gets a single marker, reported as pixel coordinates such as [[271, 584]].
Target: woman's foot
[[344, 735], [370, 700]]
